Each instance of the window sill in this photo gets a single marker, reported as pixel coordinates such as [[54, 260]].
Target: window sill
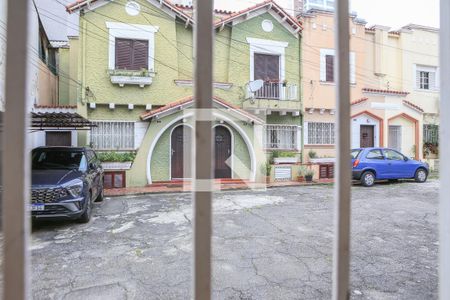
[[427, 91], [332, 83], [123, 80]]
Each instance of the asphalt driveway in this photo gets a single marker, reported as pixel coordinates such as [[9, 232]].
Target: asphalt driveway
[[274, 244]]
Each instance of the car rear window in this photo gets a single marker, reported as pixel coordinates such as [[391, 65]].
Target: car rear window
[[375, 154], [355, 153]]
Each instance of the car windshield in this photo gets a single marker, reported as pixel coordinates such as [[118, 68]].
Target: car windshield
[[58, 159], [355, 153]]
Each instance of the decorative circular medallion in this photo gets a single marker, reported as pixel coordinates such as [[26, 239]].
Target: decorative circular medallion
[[267, 25], [132, 8]]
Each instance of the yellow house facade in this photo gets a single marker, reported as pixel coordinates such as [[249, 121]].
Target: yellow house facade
[[394, 87]]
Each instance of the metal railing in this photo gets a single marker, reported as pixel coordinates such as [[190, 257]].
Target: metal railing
[[274, 90]]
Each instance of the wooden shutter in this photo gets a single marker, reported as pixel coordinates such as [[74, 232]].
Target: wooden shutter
[[140, 55], [131, 54], [329, 67], [267, 67], [123, 54]]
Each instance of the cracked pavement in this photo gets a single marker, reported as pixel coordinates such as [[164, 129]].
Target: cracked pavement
[[274, 244]]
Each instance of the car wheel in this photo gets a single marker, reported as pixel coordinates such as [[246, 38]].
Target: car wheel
[[86, 216], [368, 178], [421, 175], [100, 196]]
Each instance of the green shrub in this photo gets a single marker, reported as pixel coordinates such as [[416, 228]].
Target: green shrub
[[116, 156], [287, 154], [266, 168], [312, 154]]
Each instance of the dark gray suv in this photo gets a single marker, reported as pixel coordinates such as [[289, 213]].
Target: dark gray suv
[[65, 183]]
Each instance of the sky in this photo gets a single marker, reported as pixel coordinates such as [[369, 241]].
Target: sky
[[392, 13]]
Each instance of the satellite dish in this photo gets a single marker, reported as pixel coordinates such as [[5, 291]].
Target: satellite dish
[[255, 85]]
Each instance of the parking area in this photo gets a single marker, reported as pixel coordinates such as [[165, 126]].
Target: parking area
[[274, 244]]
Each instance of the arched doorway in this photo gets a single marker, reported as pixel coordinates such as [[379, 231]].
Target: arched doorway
[[180, 152], [222, 152]]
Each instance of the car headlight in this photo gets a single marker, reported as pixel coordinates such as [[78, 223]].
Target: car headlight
[[74, 187]]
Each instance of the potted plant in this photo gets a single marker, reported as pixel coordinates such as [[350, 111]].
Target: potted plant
[[285, 82], [116, 160], [309, 175], [266, 169], [301, 174]]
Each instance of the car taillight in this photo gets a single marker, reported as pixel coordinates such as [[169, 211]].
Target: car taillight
[[356, 163]]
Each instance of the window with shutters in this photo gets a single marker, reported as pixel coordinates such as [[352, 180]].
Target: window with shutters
[[327, 66], [426, 78], [131, 54], [319, 133], [112, 135]]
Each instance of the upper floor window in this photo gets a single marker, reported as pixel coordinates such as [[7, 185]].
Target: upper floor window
[[131, 54], [318, 4], [131, 46], [426, 78], [327, 60]]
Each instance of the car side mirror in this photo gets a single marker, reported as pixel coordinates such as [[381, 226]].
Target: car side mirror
[[405, 158]]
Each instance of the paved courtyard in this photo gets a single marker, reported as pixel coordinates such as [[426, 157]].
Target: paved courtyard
[[274, 244]]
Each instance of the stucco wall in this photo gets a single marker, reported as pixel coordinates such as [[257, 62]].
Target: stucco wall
[[407, 132], [318, 33]]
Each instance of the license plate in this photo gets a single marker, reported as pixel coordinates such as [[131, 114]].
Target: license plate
[[38, 207]]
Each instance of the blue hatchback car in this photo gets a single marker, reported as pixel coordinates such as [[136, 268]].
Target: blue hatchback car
[[371, 164]]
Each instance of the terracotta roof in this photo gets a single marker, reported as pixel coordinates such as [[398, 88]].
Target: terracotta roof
[[217, 11], [272, 5], [167, 107], [55, 106], [413, 106], [359, 101], [190, 100], [370, 90]]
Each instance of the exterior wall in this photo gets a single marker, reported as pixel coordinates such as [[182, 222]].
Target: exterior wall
[[47, 85], [420, 47], [159, 164], [173, 60], [318, 34], [408, 135], [38, 137]]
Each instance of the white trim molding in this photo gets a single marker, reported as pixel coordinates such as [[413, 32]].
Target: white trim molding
[[131, 31], [267, 47]]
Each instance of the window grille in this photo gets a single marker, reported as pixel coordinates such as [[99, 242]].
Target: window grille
[[113, 135], [431, 134], [426, 78], [320, 133], [281, 137]]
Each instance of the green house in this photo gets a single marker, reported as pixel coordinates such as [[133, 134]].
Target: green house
[[135, 65]]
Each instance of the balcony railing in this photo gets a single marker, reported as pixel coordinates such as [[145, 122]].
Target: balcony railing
[[274, 90]]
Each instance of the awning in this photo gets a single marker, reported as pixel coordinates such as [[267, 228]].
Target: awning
[[59, 120]]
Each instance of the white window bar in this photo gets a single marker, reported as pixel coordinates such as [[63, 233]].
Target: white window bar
[[16, 157], [444, 208], [341, 253], [203, 175], [113, 135], [283, 137]]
